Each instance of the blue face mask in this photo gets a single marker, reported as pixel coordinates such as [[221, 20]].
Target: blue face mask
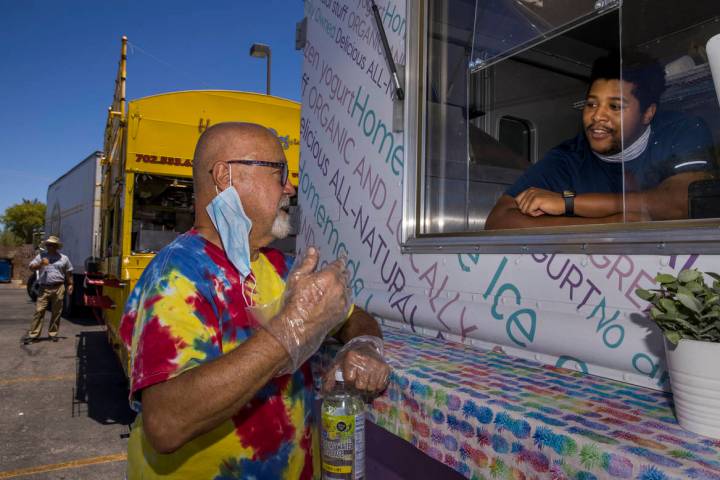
[[233, 226]]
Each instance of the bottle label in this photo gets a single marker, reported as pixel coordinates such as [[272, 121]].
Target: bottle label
[[343, 445]]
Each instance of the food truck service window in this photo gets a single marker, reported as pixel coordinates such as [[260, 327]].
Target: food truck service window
[[563, 125]]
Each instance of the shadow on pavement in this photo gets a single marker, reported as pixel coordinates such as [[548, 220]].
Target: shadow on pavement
[[101, 390], [80, 315]]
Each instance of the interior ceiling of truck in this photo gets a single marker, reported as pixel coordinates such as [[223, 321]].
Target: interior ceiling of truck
[[643, 20]]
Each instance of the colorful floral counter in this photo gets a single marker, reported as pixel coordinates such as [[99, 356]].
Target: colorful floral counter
[[491, 416]]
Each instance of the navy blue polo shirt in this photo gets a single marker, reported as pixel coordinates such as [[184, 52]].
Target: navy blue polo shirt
[[677, 144]]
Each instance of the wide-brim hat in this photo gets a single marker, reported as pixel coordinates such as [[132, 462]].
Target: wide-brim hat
[[52, 239]]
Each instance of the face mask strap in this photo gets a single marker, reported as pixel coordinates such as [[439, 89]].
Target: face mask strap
[[217, 190], [249, 301]]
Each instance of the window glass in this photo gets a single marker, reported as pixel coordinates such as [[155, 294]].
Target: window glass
[[445, 183], [532, 117], [516, 134], [504, 27], [671, 114], [162, 210]]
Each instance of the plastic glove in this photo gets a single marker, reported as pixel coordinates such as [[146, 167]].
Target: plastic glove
[[363, 365], [313, 304]]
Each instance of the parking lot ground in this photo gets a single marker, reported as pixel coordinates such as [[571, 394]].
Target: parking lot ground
[[63, 408]]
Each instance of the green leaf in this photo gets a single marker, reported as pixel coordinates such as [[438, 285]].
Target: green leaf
[[707, 329], [691, 329], [668, 305], [664, 278], [684, 290], [712, 299], [673, 337], [672, 317], [644, 294], [689, 275], [690, 302], [655, 313]]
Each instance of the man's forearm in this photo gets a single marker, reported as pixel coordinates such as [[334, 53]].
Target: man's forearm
[[359, 323], [667, 201], [513, 218], [196, 401], [598, 205]]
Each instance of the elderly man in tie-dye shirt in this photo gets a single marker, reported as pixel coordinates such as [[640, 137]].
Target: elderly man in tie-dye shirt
[[224, 391]]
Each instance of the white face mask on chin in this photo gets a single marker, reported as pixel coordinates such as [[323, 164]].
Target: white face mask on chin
[[629, 153]]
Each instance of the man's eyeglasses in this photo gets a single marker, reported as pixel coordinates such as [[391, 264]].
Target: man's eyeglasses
[[261, 163]]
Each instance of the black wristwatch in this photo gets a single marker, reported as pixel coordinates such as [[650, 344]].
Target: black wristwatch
[[569, 197]]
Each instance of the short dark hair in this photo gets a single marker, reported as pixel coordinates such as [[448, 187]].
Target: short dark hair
[[643, 71]]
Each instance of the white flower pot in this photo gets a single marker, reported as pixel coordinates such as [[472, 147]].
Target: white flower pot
[[695, 380]]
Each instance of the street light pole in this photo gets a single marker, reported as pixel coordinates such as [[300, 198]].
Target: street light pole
[[267, 86], [259, 50]]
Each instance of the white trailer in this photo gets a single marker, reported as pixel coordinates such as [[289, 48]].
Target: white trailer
[[73, 214], [403, 188]]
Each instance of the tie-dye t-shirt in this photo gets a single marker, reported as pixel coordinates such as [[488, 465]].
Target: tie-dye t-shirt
[[188, 308]]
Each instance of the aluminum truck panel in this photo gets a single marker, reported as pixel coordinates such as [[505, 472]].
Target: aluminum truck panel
[[73, 211]]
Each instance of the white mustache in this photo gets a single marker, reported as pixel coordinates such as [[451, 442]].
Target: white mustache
[[284, 202]]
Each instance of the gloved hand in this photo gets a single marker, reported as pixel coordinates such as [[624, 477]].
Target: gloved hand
[[363, 365], [313, 304]]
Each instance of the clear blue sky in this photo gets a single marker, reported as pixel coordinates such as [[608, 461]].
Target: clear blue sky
[[59, 59]]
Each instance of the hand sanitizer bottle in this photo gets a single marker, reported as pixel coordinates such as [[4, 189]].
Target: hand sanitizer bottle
[[343, 433]]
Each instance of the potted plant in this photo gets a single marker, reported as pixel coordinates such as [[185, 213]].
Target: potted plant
[[687, 310]]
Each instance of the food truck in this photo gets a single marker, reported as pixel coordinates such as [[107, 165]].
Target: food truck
[[517, 352], [147, 189]]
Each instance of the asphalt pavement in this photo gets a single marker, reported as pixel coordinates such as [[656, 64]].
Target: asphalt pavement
[[63, 405]]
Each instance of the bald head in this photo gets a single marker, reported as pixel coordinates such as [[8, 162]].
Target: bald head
[[259, 187], [225, 141]]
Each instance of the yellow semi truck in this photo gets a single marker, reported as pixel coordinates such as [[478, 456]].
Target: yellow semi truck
[[146, 188]]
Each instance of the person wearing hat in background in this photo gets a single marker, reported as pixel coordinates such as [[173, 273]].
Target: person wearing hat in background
[[55, 278]]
